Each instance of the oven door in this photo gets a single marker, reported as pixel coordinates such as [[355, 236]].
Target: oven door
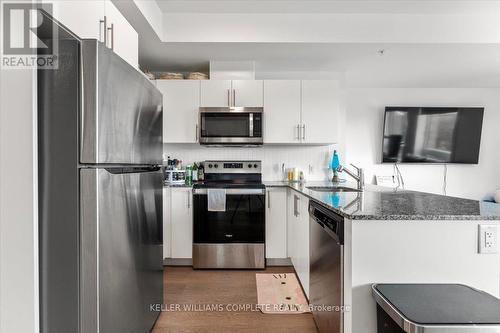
[[231, 126], [242, 222]]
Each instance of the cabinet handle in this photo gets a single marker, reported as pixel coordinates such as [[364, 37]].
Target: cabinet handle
[[234, 97], [228, 97], [295, 205], [268, 199], [303, 131], [189, 199], [196, 133], [112, 31], [102, 23], [298, 132]]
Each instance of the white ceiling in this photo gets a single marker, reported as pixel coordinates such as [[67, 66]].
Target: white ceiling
[[329, 6], [401, 65]]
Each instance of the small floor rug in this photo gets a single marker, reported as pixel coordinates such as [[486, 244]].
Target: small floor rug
[[280, 293]]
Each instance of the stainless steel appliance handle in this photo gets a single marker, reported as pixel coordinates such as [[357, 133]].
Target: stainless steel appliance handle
[[250, 124], [230, 191], [303, 131], [112, 31], [228, 97], [102, 23]]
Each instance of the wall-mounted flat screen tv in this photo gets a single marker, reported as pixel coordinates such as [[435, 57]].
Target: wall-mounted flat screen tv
[[432, 134]]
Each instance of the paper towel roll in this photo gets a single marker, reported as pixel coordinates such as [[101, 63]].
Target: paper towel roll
[[497, 196]]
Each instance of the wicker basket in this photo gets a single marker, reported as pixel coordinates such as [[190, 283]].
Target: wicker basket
[[197, 76], [171, 76]]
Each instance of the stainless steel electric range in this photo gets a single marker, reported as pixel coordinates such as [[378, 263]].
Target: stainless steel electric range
[[233, 237]]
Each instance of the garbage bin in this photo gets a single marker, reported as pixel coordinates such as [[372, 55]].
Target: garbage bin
[[435, 308]]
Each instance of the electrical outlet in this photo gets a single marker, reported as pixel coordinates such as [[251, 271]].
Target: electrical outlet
[[488, 239]]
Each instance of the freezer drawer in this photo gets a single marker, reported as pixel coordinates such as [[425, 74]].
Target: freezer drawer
[[121, 117], [121, 249]]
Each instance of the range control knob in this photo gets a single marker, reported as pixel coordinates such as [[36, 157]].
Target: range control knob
[[210, 166], [249, 166], [216, 166], [255, 166]]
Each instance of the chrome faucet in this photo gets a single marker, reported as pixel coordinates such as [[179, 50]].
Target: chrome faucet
[[359, 176]]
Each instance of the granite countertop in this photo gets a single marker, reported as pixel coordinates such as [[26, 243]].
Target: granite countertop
[[382, 203]]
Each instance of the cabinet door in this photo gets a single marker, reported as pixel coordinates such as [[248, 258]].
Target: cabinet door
[[303, 234], [81, 17], [248, 93], [320, 111], [216, 93], [290, 223], [276, 237], [281, 111], [121, 36], [182, 223], [181, 100], [167, 223]]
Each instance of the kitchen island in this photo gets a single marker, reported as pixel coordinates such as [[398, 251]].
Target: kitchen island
[[397, 236]]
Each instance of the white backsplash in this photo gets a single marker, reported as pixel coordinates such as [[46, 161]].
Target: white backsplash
[[272, 157]]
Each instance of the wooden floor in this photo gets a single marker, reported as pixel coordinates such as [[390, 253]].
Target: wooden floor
[[185, 288]]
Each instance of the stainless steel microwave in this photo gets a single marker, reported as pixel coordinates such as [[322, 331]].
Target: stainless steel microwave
[[231, 126]]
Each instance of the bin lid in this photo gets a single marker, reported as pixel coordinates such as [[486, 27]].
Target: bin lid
[[439, 304]]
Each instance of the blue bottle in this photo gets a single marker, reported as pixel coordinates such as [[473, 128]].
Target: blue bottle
[[335, 165], [335, 161]]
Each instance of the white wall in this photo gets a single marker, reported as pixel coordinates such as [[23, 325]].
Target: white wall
[[330, 28], [272, 157], [18, 222], [152, 13], [415, 252], [364, 124]]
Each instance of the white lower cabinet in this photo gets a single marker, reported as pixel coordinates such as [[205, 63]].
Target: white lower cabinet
[[167, 223], [298, 236], [276, 233], [181, 220]]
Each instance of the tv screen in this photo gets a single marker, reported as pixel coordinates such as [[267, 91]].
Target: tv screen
[[432, 134]]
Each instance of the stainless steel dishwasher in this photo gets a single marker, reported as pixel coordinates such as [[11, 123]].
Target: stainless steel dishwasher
[[326, 295]]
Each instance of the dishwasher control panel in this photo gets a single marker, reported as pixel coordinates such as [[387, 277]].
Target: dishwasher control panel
[[327, 219]]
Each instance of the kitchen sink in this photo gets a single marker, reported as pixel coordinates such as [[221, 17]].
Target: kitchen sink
[[333, 189]]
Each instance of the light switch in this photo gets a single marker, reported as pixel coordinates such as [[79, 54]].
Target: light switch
[[488, 239]]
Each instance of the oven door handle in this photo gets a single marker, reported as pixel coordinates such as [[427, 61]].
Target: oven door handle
[[231, 191]]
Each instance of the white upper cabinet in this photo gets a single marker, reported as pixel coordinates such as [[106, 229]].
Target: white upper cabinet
[[276, 235], [320, 111], [224, 93], [99, 19], [216, 93], [248, 93], [84, 18], [281, 111], [121, 36], [181, 101]]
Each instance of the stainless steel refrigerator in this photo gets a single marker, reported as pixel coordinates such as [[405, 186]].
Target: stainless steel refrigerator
[[100, 191]]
